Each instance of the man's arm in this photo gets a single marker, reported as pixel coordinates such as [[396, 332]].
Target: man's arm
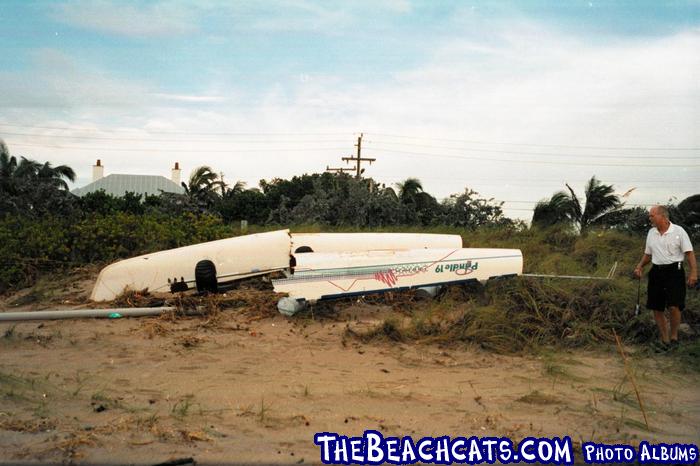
[[693, 263], [646, 258]]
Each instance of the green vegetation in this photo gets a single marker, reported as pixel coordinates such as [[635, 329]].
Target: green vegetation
[[565, 207], [528, 314], [604, 209], [35, 190], [44, 229], [30, 246]]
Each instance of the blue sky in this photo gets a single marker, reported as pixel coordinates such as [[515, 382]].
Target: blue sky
[[511, 98]]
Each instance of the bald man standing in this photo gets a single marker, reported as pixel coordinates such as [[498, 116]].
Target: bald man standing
[[666, 247]]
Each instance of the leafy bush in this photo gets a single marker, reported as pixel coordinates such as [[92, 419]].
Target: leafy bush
[[29, 246]]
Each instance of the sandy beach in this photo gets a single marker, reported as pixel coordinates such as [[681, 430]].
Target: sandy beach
[[252, 386]]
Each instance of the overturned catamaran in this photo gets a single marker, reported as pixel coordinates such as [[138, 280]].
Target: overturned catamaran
[[316, 266]]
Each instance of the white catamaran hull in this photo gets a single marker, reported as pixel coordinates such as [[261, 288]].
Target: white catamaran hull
[[235, 258], [246, 256], [358, 242], [331, 275]]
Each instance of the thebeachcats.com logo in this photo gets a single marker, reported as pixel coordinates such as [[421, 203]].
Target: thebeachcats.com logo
[[373, 448]]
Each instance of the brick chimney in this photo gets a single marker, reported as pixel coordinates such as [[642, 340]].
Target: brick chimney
[[175, 176], [98, 171]]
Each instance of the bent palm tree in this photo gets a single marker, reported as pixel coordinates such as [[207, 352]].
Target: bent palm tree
[[558, 209], [421, 206], [203, 185], [409, 190], [13, 172], [237, 188], [565, 207], [54, 176], [600, 201]]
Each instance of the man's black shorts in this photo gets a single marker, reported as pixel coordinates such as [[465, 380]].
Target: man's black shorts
[[666, 287]]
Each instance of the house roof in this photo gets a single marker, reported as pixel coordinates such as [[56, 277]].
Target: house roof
[[118, 185]]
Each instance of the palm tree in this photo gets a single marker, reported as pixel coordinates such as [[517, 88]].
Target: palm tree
[[8, 165], [32, 170], [12, 172], [601, 200], [26, 168], [421, 206], [565, 207], [409, 190], [237, 188], [54, 176], [203, 185], [558, 209]]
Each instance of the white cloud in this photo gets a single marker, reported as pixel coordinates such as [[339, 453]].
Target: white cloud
[[172, 18], [523, 84], [551, 89], [190, 98], [325, 18], [129, 19], [57, 80]]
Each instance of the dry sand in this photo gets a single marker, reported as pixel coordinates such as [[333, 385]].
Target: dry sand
[[244, 387]]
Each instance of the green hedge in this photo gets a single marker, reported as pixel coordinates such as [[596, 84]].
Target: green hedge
[[29, 247]]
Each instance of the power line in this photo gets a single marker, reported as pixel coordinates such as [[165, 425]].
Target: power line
[[196, 150], [539, 181], [277, 141], [563, 146], [69, 128], [286, 149], [550, 154], [544, 162], [468, 141], [101, 138]]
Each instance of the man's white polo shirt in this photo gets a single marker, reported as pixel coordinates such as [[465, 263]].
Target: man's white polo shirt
[[669, 247]]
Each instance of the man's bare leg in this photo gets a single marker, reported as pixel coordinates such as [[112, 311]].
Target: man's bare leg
[[662, 323], [675, 321]]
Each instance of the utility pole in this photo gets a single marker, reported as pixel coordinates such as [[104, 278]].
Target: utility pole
[[339, 170], [358, 160]]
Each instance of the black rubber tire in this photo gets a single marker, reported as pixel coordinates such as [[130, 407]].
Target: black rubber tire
[[302, 249], [205, 276]]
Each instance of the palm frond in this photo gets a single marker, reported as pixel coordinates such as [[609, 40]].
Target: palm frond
[[600, 201], [575, 206], [409, 189], [27, 168]]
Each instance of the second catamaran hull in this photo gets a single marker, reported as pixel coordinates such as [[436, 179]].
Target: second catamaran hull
[[332, 275]]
